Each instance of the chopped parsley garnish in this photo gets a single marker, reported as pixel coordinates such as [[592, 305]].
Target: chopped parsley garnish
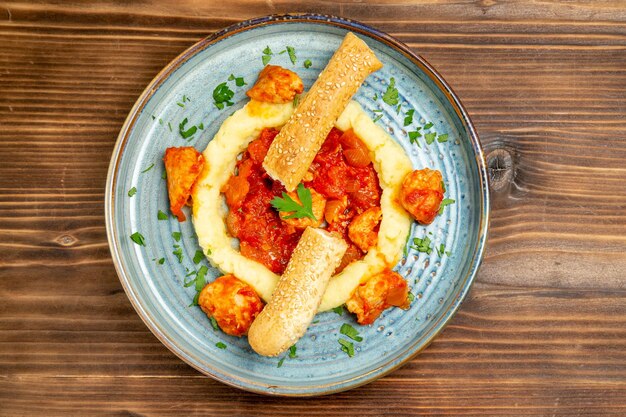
[[198, 257], [200, 280], [191, 281], [267, 55], [408, 118], [411, 297], [441, 249], [176, 236], [132, 192], [443, 186], [430, 137], [169, 126], [351, 332], [180, 104], [377, 118], [220, 345], [164, 175], [347, 347], [153, 118], [161, 261], [398, 108], [442, 138], [239, 81], [428, 125], [195, 300], [178, 252], [296, 100], [391, 95], [422, 245], [201, 126], [289, 205], [445, 202], [138, 239], [338, 310], [162, 216], [213, 323], [222, 94], [307, 63], [375, 96], [161, 121], [292, 355], [413, 137], [186, 134], [292, 54], [148, 169], [406, 244], [292, 352]]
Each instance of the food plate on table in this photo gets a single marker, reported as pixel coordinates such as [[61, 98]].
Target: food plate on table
[[407, 117]]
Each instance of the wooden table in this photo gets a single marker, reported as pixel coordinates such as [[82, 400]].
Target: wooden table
[[543, 331]]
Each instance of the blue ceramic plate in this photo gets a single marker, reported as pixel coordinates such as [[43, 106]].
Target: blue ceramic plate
[[152, 275]]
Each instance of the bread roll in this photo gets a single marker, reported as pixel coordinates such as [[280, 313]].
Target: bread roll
[[298, 293], [294, 148]]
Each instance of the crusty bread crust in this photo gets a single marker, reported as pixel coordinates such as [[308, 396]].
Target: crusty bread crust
[[297, 295], [295, 147]]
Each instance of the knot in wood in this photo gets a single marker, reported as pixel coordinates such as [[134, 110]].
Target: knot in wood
[[66, 240], [500, 165]]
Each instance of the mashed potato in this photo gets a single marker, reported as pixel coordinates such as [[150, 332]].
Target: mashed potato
[[209, 208]]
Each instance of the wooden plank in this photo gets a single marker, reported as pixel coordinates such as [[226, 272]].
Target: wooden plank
[[544, 329]]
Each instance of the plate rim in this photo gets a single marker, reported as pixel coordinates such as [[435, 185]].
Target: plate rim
[[322, 19]]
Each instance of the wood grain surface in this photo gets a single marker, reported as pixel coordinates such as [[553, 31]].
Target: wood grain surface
[[543, 331]]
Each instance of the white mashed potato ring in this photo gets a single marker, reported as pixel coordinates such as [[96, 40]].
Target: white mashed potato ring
[[210, 210]]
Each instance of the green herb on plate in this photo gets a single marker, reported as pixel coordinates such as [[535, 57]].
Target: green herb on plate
[[391, 94], [347, 347], [445, 202], [289, 205], [138, 239], [186, 133], [351, 332]]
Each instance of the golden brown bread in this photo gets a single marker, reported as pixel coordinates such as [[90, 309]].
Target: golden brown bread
[[298, 293], [294, 148]]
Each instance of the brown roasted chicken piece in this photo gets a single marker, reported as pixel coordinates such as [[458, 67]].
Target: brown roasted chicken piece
[[183, 166], [232, 303], [276, 85], [378, 293], [421, 194], [363, 229]]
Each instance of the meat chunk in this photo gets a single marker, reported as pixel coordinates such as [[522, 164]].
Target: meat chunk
[[421, 194], [378, 293], [232, 303], [318, 205], [276, 85], [363, 228], [183, 166]]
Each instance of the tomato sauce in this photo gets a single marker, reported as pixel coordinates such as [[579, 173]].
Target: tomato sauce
[[341, 172]]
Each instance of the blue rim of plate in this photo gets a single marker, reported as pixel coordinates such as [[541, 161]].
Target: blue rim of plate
[[359, 28]]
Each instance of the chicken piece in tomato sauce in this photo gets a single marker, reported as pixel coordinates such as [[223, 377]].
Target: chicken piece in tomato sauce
[[232, 303], [378, 293]]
